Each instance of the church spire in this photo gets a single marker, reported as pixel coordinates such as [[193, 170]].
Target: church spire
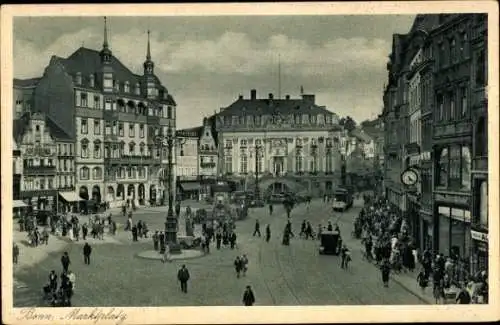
[[148, 64], [105, 52]]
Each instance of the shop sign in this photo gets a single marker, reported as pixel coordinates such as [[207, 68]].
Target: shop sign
[[481, 236], [454, 213]]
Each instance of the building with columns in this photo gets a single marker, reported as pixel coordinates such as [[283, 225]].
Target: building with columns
[[116, 118], [287, 142]]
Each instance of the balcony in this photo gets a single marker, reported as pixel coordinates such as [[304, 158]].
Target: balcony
[[452, 129], [39, 170], [480, 164], [66, 188], [208, 165], [153, 119], [110, 115], [132, 160]]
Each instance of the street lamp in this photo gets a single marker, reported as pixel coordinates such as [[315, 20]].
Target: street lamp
[[259, 155], [171, 222]]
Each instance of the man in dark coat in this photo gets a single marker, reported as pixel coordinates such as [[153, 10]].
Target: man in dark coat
[[162, 242], [218, 239], [257, 228], [87, 250], [183, 277], [268, 233], [53, 280], [177, 209], [270, 209], [232, 240], [134, 233], [65, 261], [85, 231], [248, 297]]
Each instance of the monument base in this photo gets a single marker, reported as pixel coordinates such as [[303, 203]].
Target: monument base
[[174, 248]]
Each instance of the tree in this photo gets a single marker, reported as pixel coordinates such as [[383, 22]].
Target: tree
[[348, 123]]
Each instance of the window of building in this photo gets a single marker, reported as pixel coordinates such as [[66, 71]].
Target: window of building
[[257, 120], [243, 143], [243, 164], [481, 72], [97, 149], [464, 46], [169, 112], [131, 130], [84, 126], [115, 128], [142, 149], [451, 97], [453, 54], [92, 80], [108, 105], [440, 106], [131, 148], [97, 173], [129, 172], [463, 102], [107, 128], [454, 166], [127, 87], [228, 144], [483, 203], [442, 168], [120, 129], [97, 102], [241, 120], [84, 173], [84, 101], [442, 55], [141, 130], [181, 150], [97, 127], [481, 138], [85, 148], [299, 167]]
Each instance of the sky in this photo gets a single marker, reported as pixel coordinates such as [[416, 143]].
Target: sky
[[207, 62]]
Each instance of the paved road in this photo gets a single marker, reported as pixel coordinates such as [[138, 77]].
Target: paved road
[[280, 275]]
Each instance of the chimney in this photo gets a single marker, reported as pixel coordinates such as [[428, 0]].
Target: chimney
[[310, 99], [240, 97], [253, 94], [287, 97], [270, 96]]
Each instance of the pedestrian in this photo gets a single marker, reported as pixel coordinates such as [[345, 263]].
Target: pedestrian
[[330, 226], [134, 233], [72, 279], [232, 240], [207, 243], [162, 242], [385, 268], [183, 277], [53, 281], [257, 228], [15, 253], [270, 209], [248, 297], [155, 240], [422, 280], [244, 264], [218, 239], [85, 231], [268, 233], [87, 250], [463, 297], [237, 266], [344, 254], [65, 261]]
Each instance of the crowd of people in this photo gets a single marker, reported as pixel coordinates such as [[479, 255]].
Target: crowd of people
[[385, 235]]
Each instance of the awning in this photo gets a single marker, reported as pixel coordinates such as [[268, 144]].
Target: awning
[[70, 196], [190, 186], [18, 204]]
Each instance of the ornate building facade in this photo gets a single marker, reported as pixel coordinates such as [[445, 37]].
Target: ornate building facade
[[287, 142], [117, 119], [437, 82]]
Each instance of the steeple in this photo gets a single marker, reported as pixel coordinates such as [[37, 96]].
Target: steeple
[[148, 64], [105, 52]]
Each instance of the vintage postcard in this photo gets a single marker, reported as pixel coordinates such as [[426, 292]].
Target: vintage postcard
[[250, 163]]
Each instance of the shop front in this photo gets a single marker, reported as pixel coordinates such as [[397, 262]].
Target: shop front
[[426, 230], [454, 231], [479, 255], [479, 231]]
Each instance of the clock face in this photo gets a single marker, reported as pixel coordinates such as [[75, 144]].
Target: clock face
[[409, 177]]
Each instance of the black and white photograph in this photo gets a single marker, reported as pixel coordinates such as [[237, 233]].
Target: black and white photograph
[[167, 158]]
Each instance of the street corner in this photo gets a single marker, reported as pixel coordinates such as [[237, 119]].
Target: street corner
[[186, 254]]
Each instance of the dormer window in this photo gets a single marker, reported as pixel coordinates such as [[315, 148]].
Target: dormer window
[[127, 87], [137, 88], [78, 78], [92, 80]]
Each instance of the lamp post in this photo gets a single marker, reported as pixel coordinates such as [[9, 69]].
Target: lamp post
[[171, 221], [258, 149]]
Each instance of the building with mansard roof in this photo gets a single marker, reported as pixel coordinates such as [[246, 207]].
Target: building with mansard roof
[[297, 148], [115, 117]]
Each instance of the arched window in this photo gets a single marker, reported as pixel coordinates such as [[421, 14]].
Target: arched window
[[85, 148], [84, 173], [466, 168], [97, 149], [131, 148], [481, 137], [442, 168]]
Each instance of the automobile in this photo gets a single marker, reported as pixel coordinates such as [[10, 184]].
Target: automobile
[[329, 243]]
